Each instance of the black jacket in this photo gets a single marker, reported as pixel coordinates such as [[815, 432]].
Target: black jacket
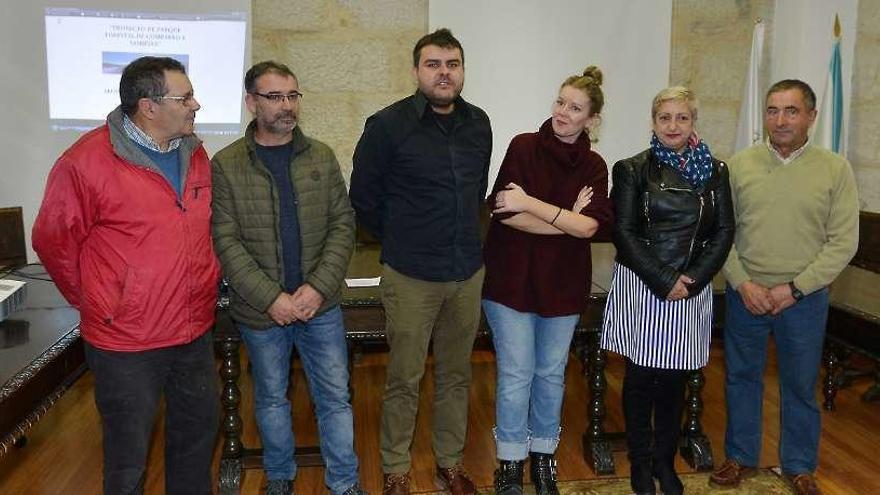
[[664, 227], [418, 187]]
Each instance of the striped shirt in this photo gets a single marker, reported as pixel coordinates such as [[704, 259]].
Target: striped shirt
[[652, 331], [142, 138]]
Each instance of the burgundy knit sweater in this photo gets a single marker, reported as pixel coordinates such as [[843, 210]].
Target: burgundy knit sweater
[[546, 274]]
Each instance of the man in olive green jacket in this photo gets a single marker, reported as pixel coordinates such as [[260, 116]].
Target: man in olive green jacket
[[284, 232]]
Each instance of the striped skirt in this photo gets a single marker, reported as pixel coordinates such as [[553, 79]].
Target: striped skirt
[[655, 332]]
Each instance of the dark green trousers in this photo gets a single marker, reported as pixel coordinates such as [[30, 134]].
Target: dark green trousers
[[417, 311]]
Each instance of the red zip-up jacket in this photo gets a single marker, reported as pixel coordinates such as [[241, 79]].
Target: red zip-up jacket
[[136, 260]]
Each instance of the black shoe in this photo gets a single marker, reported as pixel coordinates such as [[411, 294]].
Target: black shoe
[[640, 479], [670, 483], [543, 470], [509, 478]]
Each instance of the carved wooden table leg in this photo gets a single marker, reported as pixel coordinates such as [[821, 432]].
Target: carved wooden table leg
[[696, 448], [831, 371], [231, 460], [873, 393], [597, 449]]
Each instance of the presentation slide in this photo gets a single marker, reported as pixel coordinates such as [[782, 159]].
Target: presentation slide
[[86, 51]]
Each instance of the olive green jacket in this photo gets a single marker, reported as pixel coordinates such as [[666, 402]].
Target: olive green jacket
[[247, 232]]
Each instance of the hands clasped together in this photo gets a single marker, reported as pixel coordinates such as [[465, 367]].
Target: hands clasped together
[[760, 300], [679, 290], [299, 306]]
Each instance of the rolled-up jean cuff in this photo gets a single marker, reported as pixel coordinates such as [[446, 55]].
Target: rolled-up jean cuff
[[510, 451], [545, 445]]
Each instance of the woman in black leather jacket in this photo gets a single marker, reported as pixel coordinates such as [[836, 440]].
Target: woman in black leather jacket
[[673, 228]]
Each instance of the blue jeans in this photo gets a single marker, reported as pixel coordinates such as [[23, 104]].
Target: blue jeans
[[531, 353], [322, 349], [799, 332]]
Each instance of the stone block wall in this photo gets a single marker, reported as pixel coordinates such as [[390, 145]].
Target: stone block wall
[[352, 57], [864, 124], [711, 42]]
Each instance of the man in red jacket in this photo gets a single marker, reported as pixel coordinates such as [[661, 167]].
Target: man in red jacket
[[125, 232]]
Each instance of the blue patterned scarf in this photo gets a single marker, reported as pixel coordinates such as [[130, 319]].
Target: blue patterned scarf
[[694, 163]]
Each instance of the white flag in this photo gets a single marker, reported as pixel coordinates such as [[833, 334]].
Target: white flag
[[750, 129]]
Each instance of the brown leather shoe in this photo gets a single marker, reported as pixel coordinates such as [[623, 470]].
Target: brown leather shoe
[[804, 484], [396, 484], [455, 480], [730, 474]]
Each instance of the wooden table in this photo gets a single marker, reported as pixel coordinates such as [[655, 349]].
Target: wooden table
[[41, 354], [365, 326]]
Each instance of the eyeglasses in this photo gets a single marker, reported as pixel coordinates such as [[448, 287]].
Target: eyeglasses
[[278, 97], [183, 100]]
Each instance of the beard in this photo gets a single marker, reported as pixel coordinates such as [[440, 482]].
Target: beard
[[440, 101], [280, 122], [442, 97]]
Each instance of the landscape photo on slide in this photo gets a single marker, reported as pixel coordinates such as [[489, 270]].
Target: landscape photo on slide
[[115, 62]]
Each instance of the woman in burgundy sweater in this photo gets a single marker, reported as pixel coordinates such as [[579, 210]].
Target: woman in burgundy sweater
[[549, 199]]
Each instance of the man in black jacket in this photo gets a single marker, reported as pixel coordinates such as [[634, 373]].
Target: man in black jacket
[[419, 178]]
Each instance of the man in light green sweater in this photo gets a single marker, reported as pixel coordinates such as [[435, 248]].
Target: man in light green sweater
[[796, 210]]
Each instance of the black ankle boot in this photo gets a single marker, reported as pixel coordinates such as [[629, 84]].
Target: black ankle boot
[[670, 483], [509, 478], [543, 470], [640, 479]]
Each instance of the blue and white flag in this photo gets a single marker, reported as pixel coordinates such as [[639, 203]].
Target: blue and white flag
[[828, 131], [750, 129]]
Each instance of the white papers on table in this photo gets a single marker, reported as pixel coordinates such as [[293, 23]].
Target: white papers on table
[[363, 282]]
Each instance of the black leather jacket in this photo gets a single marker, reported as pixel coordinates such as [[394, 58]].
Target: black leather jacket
[[664, 227]]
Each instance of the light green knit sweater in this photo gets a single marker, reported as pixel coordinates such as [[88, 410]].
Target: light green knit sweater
[[794, 222]]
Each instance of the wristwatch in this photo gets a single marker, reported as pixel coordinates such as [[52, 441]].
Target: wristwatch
[[795, 292]]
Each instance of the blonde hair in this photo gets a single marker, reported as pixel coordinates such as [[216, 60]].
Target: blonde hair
[[589, 82], [675, 93]]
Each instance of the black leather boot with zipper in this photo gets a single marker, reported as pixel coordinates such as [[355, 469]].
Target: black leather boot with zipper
[[543, 471]]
